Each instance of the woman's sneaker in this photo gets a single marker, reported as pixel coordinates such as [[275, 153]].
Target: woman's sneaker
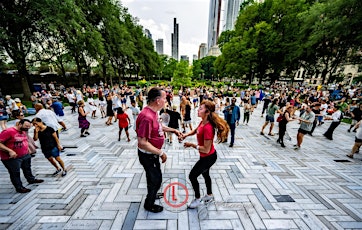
[[64, 173], [195, 203], [208, 198], [57, 172]]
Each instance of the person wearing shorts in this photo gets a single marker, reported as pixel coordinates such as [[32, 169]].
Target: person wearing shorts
[[306, 125], [358, 140], [50, 145], [272, 108]]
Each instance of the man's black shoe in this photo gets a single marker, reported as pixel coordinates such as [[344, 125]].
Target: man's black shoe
[[154, 208], [36, 181], [23, 190], [231, 145]]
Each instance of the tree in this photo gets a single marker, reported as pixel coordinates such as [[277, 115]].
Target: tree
[[19, 32], [182, 75]]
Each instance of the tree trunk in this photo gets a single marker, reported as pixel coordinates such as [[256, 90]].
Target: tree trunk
[[79, 69], [104, 72], [324, 74], [24, 76]]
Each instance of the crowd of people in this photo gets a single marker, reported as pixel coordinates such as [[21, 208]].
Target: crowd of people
[[220, 112]]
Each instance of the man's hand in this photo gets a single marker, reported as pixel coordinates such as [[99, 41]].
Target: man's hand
[[12, 154], [164, 157], [178, 133]]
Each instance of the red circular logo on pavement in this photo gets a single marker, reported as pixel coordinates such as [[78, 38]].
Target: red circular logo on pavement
[[175, 195]]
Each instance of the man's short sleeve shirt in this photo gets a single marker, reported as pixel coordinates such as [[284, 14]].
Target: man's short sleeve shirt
[[148, 126], [15, 140]]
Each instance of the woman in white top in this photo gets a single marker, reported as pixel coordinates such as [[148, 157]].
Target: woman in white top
[[92, 106]]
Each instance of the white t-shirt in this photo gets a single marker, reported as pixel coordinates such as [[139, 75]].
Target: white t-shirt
[[70, 98], [49, 118], [359, 133], [324, 108]]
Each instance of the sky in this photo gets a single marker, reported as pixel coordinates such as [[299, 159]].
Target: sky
[[157, 16]]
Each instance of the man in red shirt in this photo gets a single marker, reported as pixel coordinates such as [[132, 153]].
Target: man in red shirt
[[150, 135], [14, 154]]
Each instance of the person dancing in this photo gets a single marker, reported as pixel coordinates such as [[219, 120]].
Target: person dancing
[[211, 123]]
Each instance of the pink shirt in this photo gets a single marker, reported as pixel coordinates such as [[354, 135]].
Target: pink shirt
[[148, 126], [15, 140], [205, 132]]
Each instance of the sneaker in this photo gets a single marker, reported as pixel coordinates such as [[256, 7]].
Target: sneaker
[[64, 129], [296, 147], [208, 198], [350, 156], [195, 203], [231, 145], [64, 173], [57, 172]]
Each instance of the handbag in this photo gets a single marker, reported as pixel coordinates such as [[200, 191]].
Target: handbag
[[280, 118]]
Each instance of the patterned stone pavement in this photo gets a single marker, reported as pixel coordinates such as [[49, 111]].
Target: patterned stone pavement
[[256, 184]]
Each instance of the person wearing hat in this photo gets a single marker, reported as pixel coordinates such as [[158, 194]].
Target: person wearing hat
[[20, 105], [14, 109], [336, 118]]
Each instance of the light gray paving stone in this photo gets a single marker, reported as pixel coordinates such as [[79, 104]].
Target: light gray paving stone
[[119, 220], [106, 224], [83, 224], [54, 219], [254, 217], [194, 223], [279, 224], [216, 224], [282, 214], [216, 215], [100, 215], [150, 224], [172, 225], [84, 207]]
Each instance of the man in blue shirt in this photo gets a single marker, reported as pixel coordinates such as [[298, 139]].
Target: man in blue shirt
[[232, 116]]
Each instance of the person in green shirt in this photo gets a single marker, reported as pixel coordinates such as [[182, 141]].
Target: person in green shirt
[[270, 113]]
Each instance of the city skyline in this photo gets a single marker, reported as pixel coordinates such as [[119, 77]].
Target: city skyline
[[157, 17]]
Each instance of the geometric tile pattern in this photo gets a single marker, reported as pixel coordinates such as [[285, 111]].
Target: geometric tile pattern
[[106, 185]]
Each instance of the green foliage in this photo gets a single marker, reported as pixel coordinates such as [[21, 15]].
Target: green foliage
[[182, 75], [278, 35]]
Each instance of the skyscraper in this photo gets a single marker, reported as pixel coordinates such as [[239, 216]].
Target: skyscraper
[[185, 58], [174, 40], [202, 50], [214, 23], [148, 33], [159, 46], [231, 13]]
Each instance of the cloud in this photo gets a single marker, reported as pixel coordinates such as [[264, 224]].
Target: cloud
[[146, 8], [170, 12]]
